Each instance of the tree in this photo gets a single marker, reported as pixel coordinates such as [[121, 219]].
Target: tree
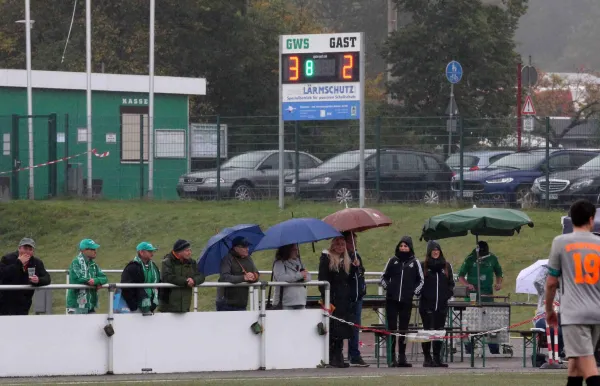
[[576, 96], [479, 36], [230, 44]]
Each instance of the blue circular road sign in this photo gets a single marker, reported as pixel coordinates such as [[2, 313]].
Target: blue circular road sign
[[454, 72]]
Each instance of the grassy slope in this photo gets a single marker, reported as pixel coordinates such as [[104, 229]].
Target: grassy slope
[[57, 227]]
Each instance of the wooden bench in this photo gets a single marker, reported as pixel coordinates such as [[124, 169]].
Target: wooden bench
[[530, 339]]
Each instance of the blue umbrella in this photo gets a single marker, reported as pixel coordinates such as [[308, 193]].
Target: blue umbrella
[[219, 245], [296, 231]]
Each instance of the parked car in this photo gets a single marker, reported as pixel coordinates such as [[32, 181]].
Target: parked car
[[475, 160], [509, 180], [567, 187], [244, 177], [404, 175]]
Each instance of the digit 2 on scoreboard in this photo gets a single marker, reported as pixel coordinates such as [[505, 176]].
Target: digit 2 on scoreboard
[[320, 68]]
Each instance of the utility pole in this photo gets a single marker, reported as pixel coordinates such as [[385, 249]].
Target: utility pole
[[392, 14]]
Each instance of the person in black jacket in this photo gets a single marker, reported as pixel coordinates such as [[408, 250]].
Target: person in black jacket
[[21, 267], [334, 267], [433, 304], [358, 289], [402, 279], [141, 270]]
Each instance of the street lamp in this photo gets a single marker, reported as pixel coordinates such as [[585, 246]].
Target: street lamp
[[28, 25]]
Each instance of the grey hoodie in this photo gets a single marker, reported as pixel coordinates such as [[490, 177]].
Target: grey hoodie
[[289, 271]]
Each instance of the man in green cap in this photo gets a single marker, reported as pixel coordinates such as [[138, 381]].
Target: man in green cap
[[84, 270], [141, 270]]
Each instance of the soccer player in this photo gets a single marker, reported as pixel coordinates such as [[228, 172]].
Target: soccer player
[[575, 258]]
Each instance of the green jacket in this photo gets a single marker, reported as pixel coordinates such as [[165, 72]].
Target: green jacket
[[489, 267], [176, 271], [81, 271]]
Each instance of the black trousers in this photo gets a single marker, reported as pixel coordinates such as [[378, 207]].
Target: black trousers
[[398, 318], [433, 320]]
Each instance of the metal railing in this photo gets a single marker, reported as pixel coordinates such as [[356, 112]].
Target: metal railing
[[112, 287]]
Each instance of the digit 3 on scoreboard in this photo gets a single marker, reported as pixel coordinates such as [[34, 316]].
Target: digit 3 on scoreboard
[[321, 67]]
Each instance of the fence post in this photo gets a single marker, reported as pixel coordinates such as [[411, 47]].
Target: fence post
[[66, 154], [547, 163], [52, 156], [111, 316], [141, 156], [462, 153], [218, 157], [297, 155], [16, 163], [378, 158]]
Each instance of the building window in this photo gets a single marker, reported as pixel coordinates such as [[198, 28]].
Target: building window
[[169, 143], [130, 133]]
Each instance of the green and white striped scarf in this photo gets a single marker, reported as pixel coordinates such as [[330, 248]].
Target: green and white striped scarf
[[151, 275]]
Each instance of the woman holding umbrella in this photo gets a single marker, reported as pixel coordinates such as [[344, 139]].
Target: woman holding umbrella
[[437, 289], [334, 267]]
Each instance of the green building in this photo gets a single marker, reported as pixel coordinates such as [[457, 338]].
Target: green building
[[59, 130]]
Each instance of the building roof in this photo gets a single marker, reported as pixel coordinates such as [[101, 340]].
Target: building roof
[[60, 80]]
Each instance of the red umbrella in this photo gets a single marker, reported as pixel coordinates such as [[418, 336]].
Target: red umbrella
[[357, 219]]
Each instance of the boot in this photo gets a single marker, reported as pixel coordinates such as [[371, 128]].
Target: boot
[[339, 348], [402, 355], [428, 361], [333, 359], [437, 358]]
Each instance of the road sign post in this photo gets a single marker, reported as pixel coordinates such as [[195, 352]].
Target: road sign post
[[322, 77], [454, 73]]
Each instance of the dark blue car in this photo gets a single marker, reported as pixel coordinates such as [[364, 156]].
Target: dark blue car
[[509, 180]]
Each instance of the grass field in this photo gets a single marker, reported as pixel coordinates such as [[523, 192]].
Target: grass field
[[489, 379], [57, 227]]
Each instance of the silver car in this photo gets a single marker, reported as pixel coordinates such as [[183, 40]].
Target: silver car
[[244, 177], [475, 160]]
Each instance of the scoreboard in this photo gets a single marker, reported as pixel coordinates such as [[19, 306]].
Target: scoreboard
[[321, 76]]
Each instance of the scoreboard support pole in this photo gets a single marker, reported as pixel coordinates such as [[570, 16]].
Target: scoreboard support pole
[[281, 132], [361, 129]]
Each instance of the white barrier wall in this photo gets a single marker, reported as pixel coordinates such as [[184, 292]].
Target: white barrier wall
[[53, 345], [164, 343]]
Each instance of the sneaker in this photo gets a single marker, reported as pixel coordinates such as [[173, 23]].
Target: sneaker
[[358, 362]]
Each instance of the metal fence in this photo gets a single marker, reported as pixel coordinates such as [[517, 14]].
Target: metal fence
[[427, 160]]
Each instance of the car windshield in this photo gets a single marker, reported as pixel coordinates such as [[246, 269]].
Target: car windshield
[[468, 161], [244, 161], [347, 160], [520, 161], [593, 164]]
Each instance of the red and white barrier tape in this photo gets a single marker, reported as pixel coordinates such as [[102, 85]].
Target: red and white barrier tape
[[93, 151], [447, 337]]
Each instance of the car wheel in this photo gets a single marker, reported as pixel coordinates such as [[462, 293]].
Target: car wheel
[[242, 191], [525, 197], [431, 196], [343, 193]]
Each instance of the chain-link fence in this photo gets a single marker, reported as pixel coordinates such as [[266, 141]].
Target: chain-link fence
[[414, 160]]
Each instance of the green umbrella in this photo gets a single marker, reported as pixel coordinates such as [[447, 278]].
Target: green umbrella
[[478, 221]]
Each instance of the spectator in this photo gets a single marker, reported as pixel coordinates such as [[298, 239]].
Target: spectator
[[288, 268], [21, 267], [141, 270], [437, 289], [180, 269], [358, 289], [488, 267], [237, 267], [84, 270], [540, 287], [334, 267], [402, 279]]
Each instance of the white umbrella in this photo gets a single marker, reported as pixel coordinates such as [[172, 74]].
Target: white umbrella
[[527, 277]]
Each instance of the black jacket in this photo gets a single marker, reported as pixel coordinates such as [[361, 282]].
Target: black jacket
[[339, 296], [402, 277], [134, 273], [439, 282], [13, 272], [358, 287]]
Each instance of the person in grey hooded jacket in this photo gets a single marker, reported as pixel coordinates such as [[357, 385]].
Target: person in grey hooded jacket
[[288, 268]]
